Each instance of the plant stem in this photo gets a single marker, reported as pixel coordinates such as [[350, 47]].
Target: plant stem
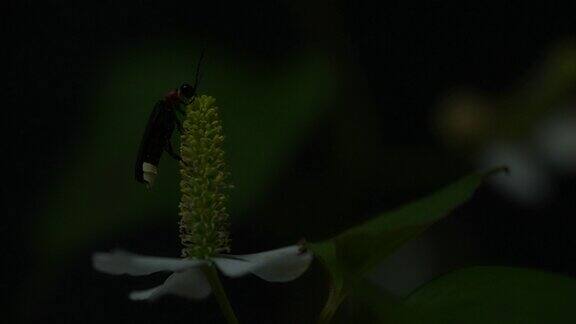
[[335, 298], [220, 294]]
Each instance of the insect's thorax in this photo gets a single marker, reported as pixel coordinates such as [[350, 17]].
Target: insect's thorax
[[172, 99]]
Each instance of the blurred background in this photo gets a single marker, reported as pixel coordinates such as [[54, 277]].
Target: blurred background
[[333, 112]]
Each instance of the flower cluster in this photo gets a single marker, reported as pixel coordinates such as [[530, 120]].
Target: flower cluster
[[204, 219]]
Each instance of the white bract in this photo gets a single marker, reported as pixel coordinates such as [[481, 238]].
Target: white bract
[[188, 280], [556, 141], [528, 182], [533, 163]]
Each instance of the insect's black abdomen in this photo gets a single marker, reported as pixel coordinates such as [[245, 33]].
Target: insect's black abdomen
[[156, 136]]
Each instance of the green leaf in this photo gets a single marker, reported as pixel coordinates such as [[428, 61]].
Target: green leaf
[[354, 252], [369, 303], [497, 295]]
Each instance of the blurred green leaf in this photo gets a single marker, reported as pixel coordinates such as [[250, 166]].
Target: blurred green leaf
[[546, 89], [369, 303], [354, 252], [496, 295], [266, 112]]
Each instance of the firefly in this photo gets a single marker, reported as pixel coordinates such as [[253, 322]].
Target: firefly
[[161, 125]]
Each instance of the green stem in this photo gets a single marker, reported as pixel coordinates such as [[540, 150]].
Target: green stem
[[220, 294], [335, 298]]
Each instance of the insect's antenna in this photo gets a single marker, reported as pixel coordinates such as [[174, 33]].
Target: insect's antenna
[[198, 74]]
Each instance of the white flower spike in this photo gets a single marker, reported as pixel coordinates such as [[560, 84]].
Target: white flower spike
[[188, 280]]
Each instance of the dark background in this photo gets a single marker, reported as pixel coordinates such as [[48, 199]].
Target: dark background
[[371, 145]]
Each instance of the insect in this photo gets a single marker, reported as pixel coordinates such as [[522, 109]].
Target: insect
[[161, 124]]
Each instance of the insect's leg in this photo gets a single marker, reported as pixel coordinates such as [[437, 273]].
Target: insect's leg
[[181, 109], [170, 150], [179, 124]]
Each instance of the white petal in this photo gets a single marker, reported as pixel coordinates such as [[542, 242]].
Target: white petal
[[145, 294], [233, 266], [528, 181], [121, 262], [279, 265], [190, 283], [556, 140]]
